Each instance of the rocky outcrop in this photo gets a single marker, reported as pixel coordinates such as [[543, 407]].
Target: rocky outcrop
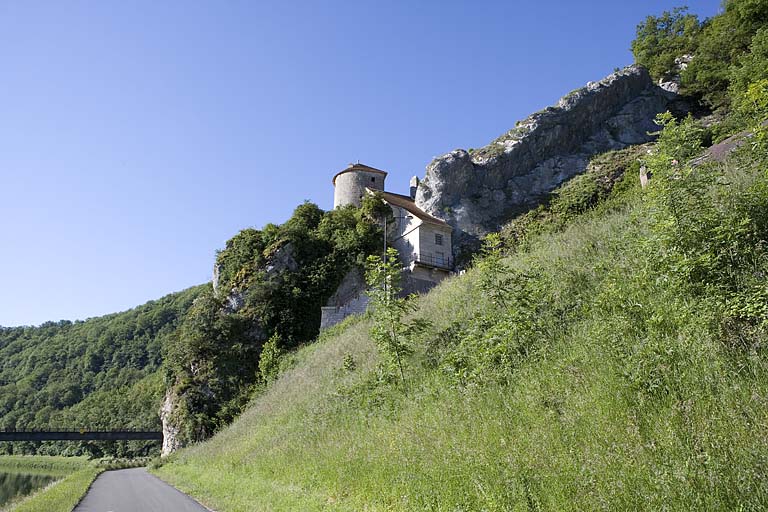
[[477, 191], [280, 261], [175, 410], [171, 431], [672, 81]]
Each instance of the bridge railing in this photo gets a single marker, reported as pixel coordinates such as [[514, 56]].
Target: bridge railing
[[80, 435], [83, 429]]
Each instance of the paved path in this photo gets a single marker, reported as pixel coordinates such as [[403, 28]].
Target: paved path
[[135, 490]]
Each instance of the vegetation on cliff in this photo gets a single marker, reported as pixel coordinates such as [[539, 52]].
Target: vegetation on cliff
[[271, 286], [728, 50]]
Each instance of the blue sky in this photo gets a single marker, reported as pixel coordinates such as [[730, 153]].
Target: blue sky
[[137, 137]]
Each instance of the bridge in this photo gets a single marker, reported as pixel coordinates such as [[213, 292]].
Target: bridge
[[81, 435]]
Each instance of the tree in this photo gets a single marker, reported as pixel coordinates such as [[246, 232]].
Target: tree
[[389, 331], [722, 41], [751, 67], [660, 40]]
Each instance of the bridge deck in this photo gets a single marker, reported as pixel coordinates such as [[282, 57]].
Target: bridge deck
[[82, 435]]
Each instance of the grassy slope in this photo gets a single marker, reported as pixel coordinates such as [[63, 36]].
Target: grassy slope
[[61, 496], [625, 398]]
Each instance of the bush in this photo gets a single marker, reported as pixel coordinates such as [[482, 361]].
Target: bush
[[269, 359], [710, 234], [661, 39], [723, 41]]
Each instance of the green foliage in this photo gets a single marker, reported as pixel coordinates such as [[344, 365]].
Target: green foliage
[[272, 284], [374, 209], [269, 359], [348, 363], [244, 248], [728, 49], [677, 143], [98, 373], [661, 39], [705, 235], [390, 332], [722, 42], [751, 67], [752, 110]]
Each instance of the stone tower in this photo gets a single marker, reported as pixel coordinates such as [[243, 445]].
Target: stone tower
[[349, 185]]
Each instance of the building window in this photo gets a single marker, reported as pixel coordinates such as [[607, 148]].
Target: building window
[[438, 239], [439, 258], [373, 179]]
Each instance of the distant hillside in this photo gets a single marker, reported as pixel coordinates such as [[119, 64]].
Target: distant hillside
[[100, 373]]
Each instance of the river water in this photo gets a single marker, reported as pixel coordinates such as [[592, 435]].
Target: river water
[[13, 485]]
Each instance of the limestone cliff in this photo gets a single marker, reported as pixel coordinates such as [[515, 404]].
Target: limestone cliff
[[171, 430], [477, 191]]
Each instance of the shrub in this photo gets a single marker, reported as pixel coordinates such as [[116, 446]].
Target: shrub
[[269, 359], [661, 39]]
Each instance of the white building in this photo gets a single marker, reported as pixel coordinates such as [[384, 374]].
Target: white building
[[423, 241]]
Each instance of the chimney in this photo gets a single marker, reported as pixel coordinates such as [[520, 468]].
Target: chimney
[[414, 186]]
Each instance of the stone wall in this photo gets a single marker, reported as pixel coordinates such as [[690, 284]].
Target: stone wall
[[348, 299], [478, 191], [421, 279], [331, 315]]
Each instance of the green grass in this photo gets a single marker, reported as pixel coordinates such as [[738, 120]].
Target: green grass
[[582, 372], [63, 495], [41, 464]]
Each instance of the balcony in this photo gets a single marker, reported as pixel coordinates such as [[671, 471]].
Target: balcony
[[428, 259]]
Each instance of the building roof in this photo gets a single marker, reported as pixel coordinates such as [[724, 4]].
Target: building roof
[[358, 167], [409, 205]]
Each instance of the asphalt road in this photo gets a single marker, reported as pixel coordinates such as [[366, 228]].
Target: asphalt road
[[135, 490]]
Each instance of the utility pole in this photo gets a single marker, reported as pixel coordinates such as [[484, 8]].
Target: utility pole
[[385, 238]]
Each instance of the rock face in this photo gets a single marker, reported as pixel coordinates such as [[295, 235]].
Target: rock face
[[171, 441], [282, 260], [476, 192], [671, 82]]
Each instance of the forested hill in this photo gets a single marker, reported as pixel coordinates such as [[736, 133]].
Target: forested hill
[[102, 372]]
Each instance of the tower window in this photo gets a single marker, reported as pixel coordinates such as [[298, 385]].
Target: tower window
[[438, 239], [373, 179]]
